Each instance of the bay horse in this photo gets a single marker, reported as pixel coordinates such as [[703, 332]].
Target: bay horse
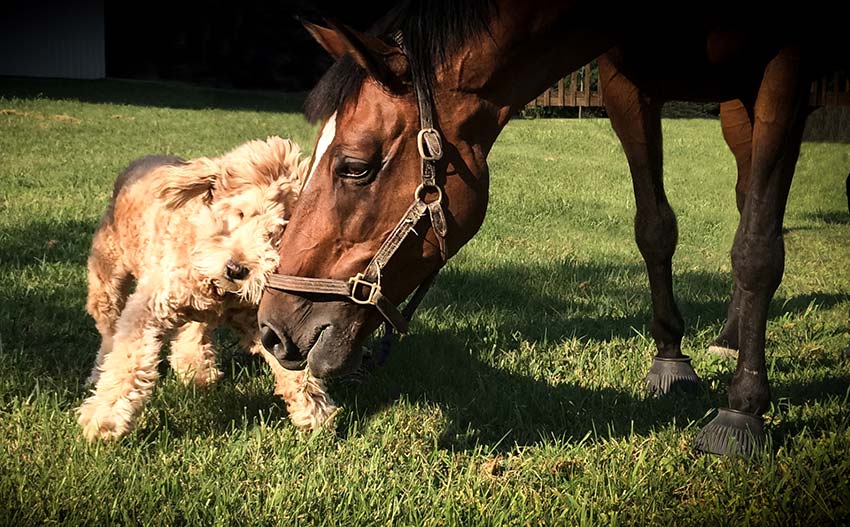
[[398, 182]]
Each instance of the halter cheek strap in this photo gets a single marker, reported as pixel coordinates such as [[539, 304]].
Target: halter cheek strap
[[365, 288]]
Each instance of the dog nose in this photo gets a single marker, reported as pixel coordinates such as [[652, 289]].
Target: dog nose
[[235, 270], [284, 350]]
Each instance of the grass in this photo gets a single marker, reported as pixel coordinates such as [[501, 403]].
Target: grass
[[518, 397]]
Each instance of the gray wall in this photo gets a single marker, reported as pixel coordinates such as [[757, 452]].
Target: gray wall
[[53, 38]]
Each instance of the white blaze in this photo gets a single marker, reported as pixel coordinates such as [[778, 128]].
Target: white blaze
[[325, 140]]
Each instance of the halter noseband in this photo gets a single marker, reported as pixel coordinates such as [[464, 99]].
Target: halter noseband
[[365, 288]]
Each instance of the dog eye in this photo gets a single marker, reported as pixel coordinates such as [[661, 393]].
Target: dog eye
[[352, 168], [240, 214]]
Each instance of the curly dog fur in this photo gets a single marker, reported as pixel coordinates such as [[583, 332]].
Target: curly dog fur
[[198, 238]]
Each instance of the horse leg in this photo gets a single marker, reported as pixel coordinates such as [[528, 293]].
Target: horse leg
[[758, 254], [637, 121], [736, 121]]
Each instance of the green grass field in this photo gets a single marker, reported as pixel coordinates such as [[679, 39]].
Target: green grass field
[[518, 398]]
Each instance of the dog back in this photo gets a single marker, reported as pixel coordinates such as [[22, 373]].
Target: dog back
[[142, 166]]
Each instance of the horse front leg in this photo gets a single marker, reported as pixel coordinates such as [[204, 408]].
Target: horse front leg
[[736, 121], [637, 121], [758, 254]]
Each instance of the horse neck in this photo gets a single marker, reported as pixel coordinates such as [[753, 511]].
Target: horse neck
[[528, 47]]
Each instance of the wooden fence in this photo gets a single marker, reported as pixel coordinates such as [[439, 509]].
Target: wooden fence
[[832, 90], [581, 89]]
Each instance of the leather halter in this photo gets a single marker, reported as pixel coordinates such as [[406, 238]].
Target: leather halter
[[365, 288]]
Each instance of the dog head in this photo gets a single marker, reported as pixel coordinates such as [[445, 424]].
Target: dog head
[[247, 196]]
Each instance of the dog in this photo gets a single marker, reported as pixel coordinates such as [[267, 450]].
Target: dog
[[197, 239]]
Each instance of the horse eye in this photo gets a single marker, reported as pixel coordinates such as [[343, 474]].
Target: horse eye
[[351, 168]]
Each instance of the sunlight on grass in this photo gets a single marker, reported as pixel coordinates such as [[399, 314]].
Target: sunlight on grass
[[517, 399]]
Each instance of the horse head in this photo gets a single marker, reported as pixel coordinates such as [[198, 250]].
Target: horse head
[[365, 174], [398, 181]]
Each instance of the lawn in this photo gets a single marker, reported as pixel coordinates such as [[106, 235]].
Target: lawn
[[517, 399]]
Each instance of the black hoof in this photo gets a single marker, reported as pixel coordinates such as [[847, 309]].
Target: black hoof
[[672, 375], [732, 433]]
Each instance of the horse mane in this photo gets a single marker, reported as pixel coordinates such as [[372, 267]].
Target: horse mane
[[432, 31]]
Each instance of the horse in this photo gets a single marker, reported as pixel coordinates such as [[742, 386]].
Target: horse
[[398, 182]]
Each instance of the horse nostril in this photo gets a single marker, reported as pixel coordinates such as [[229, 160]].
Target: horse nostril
[[269, 338], [235, 270], [283, 349]]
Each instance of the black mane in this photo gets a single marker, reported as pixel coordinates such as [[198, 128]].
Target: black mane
[[432, 31]]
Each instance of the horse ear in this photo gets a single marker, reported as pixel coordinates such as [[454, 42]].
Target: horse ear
[[382, 61]]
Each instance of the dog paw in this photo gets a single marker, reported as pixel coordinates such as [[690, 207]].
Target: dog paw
[[723, 352], [202, 378], [93, 377], [310, 411], [211, 376], [106, 421]]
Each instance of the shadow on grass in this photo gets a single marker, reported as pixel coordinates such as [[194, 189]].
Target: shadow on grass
[[156, 94], [217, 409], [48, 338], [52, 343], [39, 242], [830, 217], [518, 294], [488, 406], [820, 217]]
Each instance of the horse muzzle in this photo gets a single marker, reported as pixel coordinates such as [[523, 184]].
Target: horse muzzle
[[324, 340]]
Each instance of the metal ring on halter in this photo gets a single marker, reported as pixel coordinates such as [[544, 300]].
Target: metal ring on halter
[[435, 147], [422, 190], [367, 291], [358, 280]]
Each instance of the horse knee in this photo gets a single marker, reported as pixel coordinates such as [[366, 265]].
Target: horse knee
[[656, 234], [758, 261]]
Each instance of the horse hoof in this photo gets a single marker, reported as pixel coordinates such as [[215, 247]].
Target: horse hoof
[[672, 375], [732, 433], [723, 352]]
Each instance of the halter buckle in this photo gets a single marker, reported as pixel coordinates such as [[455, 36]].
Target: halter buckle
[[424, 189], [428, 140], [360, 280]]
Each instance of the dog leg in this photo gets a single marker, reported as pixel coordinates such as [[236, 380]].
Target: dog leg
[[306, 397], [192, 354], [104, 349], [129, 372], [108, 287]]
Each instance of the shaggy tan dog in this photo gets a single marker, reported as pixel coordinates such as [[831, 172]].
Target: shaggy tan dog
[[199, 239]]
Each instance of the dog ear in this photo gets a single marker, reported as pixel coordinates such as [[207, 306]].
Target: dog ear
[[290, 169], [179, 184], [288, 191]]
